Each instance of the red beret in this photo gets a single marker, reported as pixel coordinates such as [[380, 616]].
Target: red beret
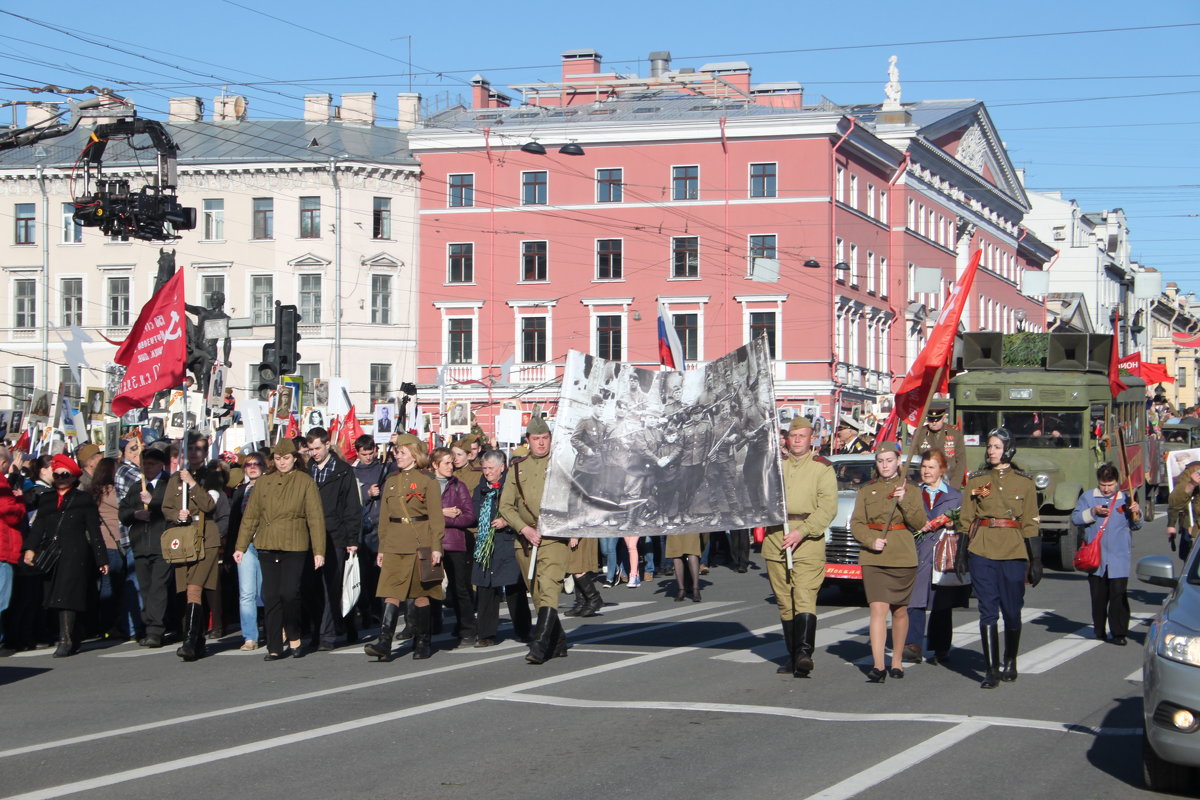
[[66, 462]]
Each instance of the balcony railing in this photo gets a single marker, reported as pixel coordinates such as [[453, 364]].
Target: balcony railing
[[533, 373]]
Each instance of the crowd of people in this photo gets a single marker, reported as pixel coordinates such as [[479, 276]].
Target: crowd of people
[[91, 547]]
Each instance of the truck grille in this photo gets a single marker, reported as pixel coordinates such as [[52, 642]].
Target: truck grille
[[841, 547]]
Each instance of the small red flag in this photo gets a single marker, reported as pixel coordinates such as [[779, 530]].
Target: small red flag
[[155, 351], [23, 441], [293, 427]]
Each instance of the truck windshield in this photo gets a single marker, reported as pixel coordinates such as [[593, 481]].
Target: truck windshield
[[1176, 436], [1043, 429]]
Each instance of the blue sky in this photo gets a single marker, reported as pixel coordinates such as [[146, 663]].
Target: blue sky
[[1111, 118]]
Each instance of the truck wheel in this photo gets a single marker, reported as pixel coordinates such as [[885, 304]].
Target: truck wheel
[[1149, 494], [1068, 544], [1163, 776]]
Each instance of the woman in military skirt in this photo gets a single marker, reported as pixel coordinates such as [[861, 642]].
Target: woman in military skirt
[[886, 513], [193, 578], [686, 547], [411, 526]]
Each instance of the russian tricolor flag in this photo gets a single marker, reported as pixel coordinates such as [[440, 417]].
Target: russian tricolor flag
[[670, 351]]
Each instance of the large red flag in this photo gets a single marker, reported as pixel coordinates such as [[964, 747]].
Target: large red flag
[[918, 383], [1149, 371], [155, 351], [1114, 359]]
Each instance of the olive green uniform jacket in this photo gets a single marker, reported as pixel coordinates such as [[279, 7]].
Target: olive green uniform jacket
[[873, 507], [1177, 503], [199, 501], [809, 487], [950, 441], [284, 513], [408, 494], [1013, 496]]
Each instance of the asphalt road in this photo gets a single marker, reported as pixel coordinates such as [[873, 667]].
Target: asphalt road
[[657, 699]]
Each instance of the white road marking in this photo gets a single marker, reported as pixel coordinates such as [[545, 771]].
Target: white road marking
[[608, 651], [670, 613], [1056, 653], [199, 759], [1135, 676], [776, 649], [221, 712]]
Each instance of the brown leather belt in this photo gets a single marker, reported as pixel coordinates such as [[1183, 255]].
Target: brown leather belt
[[407, 520], [878, 526], [1000, 522], [799, 517]]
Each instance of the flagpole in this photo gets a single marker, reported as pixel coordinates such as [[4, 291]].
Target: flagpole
[[908, 454]]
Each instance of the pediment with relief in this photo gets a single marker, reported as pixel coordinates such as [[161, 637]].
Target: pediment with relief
[[970, 138], [383, 260], [309, 261]]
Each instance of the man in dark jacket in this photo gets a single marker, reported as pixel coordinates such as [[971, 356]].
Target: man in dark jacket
[[342, 503], [141, 511]]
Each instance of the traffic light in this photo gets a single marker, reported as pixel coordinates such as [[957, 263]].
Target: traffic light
[[268, 371], [287, 335]]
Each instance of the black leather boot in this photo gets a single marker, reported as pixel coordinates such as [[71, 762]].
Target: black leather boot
[[543, 636], [192, 646], [407, 633], [381, 648], [989, 637], [806, 638], [1012, 643], [67, 646], [789, 638], [559, 643], [422, 638], [592, 601], [580, 599]]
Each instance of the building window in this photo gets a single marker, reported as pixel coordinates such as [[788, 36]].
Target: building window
[[214, 219], [211, 285], [883, 277], [533, 188], [263, 218], [26, 227], [72, 231], [762, 323], [685, 257], [22, 383], [853, 264], [25, 303], [687, 328], [309, 373], [534, 261], [310, 218], [381, 382], [381, 299], [608, 186], [883, 206], [461, 340], [462, 191], [118, 302], [71, 290], [608, 336], [381, 218], [839, 186], [685, 183], [763, 246], [870, 199], [854, 191], [462, 263], [870, 271], [533, 340], [70, 387], [262, 299], [310, 299], [608, 259], [1180, 377], [762, 180]]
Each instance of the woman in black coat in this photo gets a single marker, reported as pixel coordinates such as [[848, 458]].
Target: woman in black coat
[[495, 567], [70, 516]]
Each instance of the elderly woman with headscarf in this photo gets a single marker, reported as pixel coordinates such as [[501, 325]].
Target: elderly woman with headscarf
[[68, 522]]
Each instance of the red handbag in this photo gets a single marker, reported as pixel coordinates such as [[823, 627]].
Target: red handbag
[[1087, 558]]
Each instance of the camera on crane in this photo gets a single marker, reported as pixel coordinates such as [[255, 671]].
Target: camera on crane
[[123, 214]]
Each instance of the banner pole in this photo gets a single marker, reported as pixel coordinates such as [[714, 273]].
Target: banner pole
[[908, 452], [532, 565]]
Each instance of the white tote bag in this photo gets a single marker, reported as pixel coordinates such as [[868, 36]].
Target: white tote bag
[[351, 583]]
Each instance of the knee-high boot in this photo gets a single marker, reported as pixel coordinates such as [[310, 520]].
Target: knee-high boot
[[592, 601], [559, 648], [1012, 642], [422, 637], [192, 647], [989, 636], [407, 632], [789, 638], [581, 598], [543, 636], [806, 638], [67, 646], [381, 648]]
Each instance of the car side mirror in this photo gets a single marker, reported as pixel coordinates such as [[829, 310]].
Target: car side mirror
[[1157, 570]]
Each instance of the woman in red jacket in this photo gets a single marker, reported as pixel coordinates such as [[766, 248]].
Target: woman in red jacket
[[12, 519]]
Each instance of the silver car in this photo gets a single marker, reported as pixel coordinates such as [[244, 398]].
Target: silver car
[[1171, 677]]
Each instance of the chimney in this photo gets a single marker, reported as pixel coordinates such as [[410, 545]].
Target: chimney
[[785, 94], [317, 107], [185, 109], [408, 110], [585, 61], [229, 108], [480, 91], [660, 63], [359, 107], [733, 75], [40, 112]]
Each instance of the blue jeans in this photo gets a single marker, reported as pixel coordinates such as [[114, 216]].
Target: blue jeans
[[119, 595], [652, 543], [249, 593], [6, 580], [612, 566]]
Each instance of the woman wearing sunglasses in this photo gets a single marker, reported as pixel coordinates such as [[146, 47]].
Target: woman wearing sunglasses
[[68, 521]]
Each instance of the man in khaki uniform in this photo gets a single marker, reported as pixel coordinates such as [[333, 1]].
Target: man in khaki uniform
[[521, 506], [810, 493], [1000, 513], [936, 432]]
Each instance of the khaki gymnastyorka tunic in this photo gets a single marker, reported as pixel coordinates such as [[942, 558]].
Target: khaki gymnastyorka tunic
[[521, 506], [888, 574], [410, 518], [1007, 516], [810, 495]]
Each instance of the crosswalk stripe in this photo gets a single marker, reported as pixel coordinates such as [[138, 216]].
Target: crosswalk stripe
[[775, 649], [1060, 651], [654, 616], [1135, 676], [968, 633]]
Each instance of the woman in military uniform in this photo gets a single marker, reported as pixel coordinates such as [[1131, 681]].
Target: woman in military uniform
[[686, 547], [1000, 514], [1180, 520], [410, 524], [886, 513]]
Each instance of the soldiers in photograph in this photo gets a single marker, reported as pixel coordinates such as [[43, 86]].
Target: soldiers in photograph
[[521, 507], [937, 434], [696, 441], [588, 473], [667, 481], [810, 494], [725, 485]]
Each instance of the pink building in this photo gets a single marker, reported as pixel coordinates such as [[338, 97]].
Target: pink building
[[563, 221]]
